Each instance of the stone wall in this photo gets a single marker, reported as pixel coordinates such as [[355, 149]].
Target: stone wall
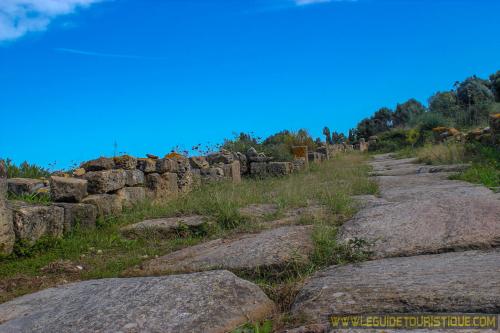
[[6, 226], [105, 186]]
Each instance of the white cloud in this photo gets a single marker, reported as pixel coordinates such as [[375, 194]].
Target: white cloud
[[18, 17], [311, 2]]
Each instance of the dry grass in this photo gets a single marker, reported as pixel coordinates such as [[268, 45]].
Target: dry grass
[[445, 153]]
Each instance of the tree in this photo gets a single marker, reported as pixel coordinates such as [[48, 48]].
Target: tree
[[444, 103], [326, 133], [495, 85], [406, 111]]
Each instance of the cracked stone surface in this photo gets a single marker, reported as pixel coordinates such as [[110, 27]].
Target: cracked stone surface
[[208, 302], [268, 249]]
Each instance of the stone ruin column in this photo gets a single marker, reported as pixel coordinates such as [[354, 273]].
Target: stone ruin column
[[7, 236]]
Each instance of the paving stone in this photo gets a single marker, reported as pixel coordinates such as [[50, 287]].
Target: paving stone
[[456, 282], [209, 302], [165, 227], [272, 249]]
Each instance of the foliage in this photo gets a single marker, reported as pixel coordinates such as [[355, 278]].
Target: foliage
[[406, 111], [38, 198], [25, 170], [278, 145], [391, 141]]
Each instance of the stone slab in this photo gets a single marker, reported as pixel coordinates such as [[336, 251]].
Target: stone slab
[[456, 282], [165, 227], [209, 302], [270, 249]]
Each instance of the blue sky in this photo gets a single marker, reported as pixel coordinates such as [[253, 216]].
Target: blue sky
[[76, 76]]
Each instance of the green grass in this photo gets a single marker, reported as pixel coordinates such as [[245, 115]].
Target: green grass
[[25, 170], [481, 173], [103, 252], [35, 198]]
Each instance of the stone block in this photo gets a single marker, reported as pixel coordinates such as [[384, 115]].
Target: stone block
[[131, 196], [258, 169], [134, 177], [232, 171], [125, 162], [106, 204], [25, 186], [243, 162], [199, 162], [299, 165], [166, 165], [102, 163], [7, 236], [213, 174], [146, 165], [277, 169], [223, 156], [100, 182], [65, 189], [32, 222], [78, 215], [161, 186]]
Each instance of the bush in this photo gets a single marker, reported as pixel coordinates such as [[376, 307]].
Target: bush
[[390, 141]]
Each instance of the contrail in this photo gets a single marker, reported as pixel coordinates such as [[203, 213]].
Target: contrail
[[106, 55]]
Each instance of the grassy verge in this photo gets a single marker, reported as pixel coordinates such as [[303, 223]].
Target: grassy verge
[[484, 160], [103, 252]]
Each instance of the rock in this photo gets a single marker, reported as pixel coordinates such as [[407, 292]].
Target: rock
[[259, 211], [210, 302], [67, 189], [78, 215], [243, 162], [270, 250], [32, 222], [131, 196], [223, 156], [165, 227], [100, 182], [426, 213], [299, 165], [166, 165], [106, 204], [161, 186], [102, 163], [258, 169], [134, 177], [260, 158], [461, 282], [154, 157], [61, 267], [277, 169], [7, 236], [252, 152], [232, 171], [412, 169], [146, 165], [24, 186], [125, 162], [199, 162], [213, 174], [79, 172], [185, 178]]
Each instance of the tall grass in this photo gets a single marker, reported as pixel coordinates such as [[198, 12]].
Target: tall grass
[[445, 153], [25, 170]]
